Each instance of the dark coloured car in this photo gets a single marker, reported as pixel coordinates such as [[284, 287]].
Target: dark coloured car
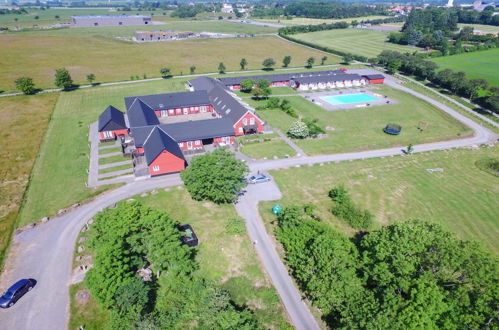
[[16, 291]]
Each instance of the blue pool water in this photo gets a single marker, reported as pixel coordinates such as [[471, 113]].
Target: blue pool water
[[348, 98]]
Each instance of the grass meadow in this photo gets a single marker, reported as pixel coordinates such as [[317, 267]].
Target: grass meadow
[[463, 198], [24, 120], [359, 129], [275, 148], [38, 56], [225, 259], [482, 64], [315, 21], [363, 42]]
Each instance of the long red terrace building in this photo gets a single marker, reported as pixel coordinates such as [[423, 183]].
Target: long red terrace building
[[213, 116]]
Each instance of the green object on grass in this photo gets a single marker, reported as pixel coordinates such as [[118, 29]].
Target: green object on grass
[[277, 209]]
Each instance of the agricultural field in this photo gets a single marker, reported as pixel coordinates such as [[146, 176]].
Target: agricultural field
[[24, 120], [462, 197], [63, 158], [37, 56], [314, 21], [224, 258], [482, 28], [482, 64], [363, 42], [359, 129]]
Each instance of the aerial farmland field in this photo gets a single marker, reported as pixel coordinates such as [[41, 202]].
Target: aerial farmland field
[[363, 42], [482, 64]]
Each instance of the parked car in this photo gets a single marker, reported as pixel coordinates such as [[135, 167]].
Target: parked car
[[258, 178], [16, 291]]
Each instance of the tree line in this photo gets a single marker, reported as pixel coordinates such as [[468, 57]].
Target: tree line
[[408, 275], [317, 10], [134, 237], [456, 82]]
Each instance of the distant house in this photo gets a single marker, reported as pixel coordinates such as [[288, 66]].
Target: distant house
[[110, 20], [111, 124]]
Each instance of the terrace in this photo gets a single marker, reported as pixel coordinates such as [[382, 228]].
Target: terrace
[[188, 117]]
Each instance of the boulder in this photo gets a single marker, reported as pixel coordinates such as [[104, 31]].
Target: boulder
[[61, 211], [45, 219], [154, 192], [81, 248], [75, 205]]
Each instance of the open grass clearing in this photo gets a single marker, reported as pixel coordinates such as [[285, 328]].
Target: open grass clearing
[[463, 198], [359, 129], [482, 64], [85, 310], [24, 120], [111, 159], [363, 42], [37, 56], [315, 21], [106, 144], [482, 28], [268, 149], [63, 158], [109, 150], [115, 168], [262, 137]]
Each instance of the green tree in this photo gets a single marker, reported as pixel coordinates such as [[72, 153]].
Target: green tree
[[25, 85], [132, 297], [262, 89], [347, 58], [310, 61], [476, 85], [192, 69], [221, 68], [247, 85], [56, 17], [323, 60], [165, 72], [286, 61], [393, 66], [90, 78], [268, 63], [410, 148], [63, 78], [243, 63], [216, 176], [298, 130]]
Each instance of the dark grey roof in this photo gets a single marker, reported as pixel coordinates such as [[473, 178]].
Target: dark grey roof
[[157, 142], [224, 104], [111, 119], [171, 100], [140, 114], [202, 83], [276, 77], [319, 79], [374, 76], [187, 130], [199, 129]]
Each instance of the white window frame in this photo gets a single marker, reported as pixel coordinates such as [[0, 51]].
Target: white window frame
[[240, 130], [164, 113], [185, 111], [108, 134], [189, 145], [245, 121], [155, 168], [252, 121]]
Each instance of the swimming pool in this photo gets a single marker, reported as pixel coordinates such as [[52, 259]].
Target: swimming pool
[[348, 98]]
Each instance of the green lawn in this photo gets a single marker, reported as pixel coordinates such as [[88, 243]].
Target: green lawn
[[109, 150], [482, 64], [483, 28], [115, 168], [362, 128], [23, 122], [364, 42], [268, 149], [63, 158], [38, 54], [463, 198]]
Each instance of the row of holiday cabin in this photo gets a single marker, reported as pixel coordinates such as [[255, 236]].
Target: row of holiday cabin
[[272, 84]]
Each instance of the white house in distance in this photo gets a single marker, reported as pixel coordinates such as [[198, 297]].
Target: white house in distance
[[325, 82], [227, 8]]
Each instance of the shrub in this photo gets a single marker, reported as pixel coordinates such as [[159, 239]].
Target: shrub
[[273, 103], [346, 210], [235, 226], [313, 128], [298, 130]]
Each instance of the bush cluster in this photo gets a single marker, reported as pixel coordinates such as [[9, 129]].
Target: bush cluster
[[345, 209]]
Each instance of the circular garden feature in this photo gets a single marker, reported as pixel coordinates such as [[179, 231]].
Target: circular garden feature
[[392, 129]]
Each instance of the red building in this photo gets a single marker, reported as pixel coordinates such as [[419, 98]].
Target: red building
[[111, 124], [163, 154], [374, 78]]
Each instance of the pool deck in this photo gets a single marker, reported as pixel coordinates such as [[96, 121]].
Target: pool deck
[[315, 97]]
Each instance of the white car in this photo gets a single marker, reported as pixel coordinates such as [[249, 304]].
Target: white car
[[258, 178]]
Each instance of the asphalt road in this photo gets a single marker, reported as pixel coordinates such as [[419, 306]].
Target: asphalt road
[[46, 252]]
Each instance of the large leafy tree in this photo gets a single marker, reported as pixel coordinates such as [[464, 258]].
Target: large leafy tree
[[26, 85], [268, 63], [63, 78], [286, 61], [247, 85], [216, 176]]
